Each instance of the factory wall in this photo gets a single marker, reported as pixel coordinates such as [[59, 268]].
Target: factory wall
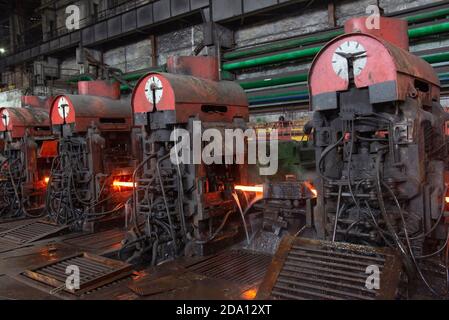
[[313, 19], [11, 98], [138, 55]]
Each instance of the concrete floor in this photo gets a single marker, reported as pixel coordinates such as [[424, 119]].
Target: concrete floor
[[173, 280], [233, 274]]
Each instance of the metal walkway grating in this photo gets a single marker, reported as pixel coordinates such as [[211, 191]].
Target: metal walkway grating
[[240, 266], [95, 272], [317, 270], [30, 232]]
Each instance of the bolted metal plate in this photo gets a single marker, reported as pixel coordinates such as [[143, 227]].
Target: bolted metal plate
[[321, 270]]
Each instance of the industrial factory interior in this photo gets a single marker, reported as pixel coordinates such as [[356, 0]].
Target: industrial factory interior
[[242, 151]]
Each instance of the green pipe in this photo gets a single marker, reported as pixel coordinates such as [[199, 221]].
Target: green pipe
[[282, 45], [437, 57], [274, 82], [276, 58], [82, 77], [256, 99], [309, 52], [428, 15], [428, 30], [304, 76], [289, 44], [133, 77], [443, 75], [277, 95], [434, 58]]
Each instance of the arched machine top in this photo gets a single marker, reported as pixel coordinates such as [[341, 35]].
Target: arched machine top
[[83, 111], [387, 69], [190, 96], [17, 121]]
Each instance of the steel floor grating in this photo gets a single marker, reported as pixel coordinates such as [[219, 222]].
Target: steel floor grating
[[30, 232], [240, 266], [319, 270], [95, 272]]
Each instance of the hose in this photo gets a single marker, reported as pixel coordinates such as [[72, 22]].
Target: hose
[[236, 198]]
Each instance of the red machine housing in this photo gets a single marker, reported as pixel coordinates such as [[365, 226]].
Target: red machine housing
[[83, 111], [95, 130], [386, 67], [190, 198], [378, 129], [37, 102], [20, 121], [189, 96], [29, 149], [203, 67]]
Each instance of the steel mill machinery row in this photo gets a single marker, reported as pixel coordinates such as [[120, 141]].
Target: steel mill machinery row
[[375, 200], [96, 151], [28, 149]]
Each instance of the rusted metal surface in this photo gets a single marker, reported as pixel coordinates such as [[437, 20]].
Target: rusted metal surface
[[186, 95], [95, 272], [17, 121], [376, 62], [204, 67], [161, 285], [394, 31], [85, 111], [240, 266], [311, 269], [6, 246], [31, 232], [99, 88], [37, 102], [98, 242], [13, 289]]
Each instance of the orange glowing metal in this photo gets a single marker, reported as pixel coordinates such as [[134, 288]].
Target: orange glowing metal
[[447, 199], [123, 184], [258, 189], [46, 180], [311, 188], [249, 294]]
